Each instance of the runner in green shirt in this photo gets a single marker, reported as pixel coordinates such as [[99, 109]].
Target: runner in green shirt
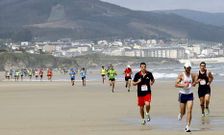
[[112, 73]]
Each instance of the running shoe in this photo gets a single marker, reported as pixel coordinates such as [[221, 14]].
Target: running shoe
[[148, 117], [187, 129], [143, 122], [202, 115], [206, 111]]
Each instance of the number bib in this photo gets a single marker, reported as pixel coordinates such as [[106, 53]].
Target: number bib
[[144, 88], [202, 82]]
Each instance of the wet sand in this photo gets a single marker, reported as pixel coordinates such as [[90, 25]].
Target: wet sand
[[57, 108]]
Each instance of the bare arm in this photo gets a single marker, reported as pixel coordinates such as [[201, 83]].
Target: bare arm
[[152, 82], [210, 78], [194, 79], [178, 80]]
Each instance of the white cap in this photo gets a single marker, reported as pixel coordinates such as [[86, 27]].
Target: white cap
[[187, 64], [128, 66]]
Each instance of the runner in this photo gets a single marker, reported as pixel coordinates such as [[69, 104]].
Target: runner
[[36, 74], [72, 76], [185, 81], [204, 79], [49, 74], [30, 73], [41, 73], [83, 76], [128, 73], [103, 73], [21, 74], [7, 75], [17, 73], [112, 73], [144, 80]]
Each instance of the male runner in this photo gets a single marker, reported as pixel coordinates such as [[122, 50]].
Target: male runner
[[185, 81], [128, 73], [112, 73], [144, 80], [83, 76], [72, 76], [49, 74], [204, 79]]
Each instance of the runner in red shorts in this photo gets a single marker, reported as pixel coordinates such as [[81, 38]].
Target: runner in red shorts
[[144, 80]]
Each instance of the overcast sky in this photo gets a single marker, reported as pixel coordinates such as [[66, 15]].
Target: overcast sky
[[201, 5]]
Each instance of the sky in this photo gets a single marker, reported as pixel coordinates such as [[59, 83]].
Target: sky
[[148, 5]]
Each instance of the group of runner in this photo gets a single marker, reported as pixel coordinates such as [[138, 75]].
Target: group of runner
[[144, 80], [17, 74], [73, 73], [185, 81]]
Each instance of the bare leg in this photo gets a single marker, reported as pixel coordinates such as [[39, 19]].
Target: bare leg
[[141, 109], [182, 109], [207, 100], [113, 85], [189, 112], [129, 85], [202, 103], [147, 105]]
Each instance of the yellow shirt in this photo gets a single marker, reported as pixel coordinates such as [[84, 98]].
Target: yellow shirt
[[103, 71]]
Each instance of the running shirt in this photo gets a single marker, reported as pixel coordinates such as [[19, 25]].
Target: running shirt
[[36, 73], [112, 73], [143, 88], [29, 73], [186, 80], [49, 73], [204, 79], [127, 72], [83, 73], [72, 74], [41, 72], [17, 73], [103, 71]]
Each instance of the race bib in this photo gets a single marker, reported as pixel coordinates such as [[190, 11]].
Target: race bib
[[190, 85], [128, 74], [144, 88], [203, 82]]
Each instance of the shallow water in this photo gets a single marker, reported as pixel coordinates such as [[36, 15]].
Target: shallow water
[[166, 123]]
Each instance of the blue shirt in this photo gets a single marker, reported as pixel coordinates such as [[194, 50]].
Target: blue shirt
[[83, 73], [72, 74]]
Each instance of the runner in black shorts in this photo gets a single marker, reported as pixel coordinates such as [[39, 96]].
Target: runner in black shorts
[[128, 73], [204, 79]]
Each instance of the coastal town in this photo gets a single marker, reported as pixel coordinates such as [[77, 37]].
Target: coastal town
[[174, 48]]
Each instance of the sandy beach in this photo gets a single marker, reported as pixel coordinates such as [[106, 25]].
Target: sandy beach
[[57, 108]]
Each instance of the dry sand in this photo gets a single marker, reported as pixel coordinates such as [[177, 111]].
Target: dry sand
[[57, 108]]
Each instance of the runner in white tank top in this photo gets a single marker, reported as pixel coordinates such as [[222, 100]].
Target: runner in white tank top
[[185, 81], [188, 81]]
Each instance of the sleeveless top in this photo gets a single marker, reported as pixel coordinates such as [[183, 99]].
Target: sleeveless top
[[186, 80], [204, 79]]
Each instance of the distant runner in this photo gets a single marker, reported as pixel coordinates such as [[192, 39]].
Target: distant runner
[[36, 74], [49, 74], [128, 73], [103, 73], [144, 80], [112, 73], [83, 76], [41, 73], [72, 76]]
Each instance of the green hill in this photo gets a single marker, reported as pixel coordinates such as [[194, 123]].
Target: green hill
[[94, 19]]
